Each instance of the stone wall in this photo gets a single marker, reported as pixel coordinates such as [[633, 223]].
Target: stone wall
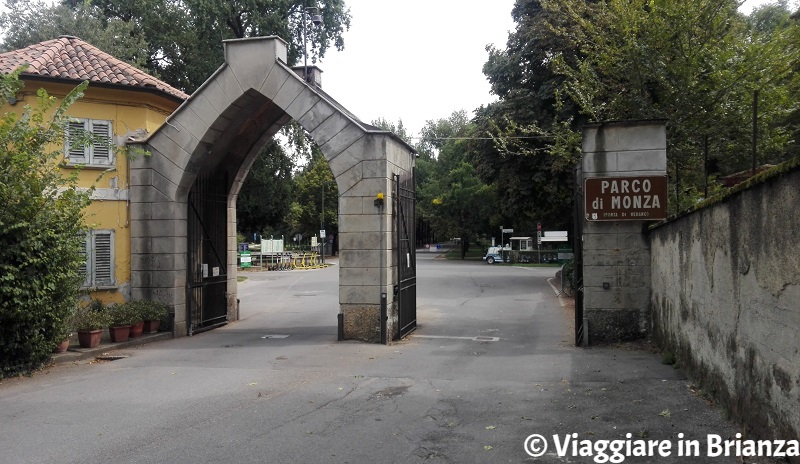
[[616, 260], [725, 300]]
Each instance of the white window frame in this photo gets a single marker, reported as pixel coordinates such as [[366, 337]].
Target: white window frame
[[98, 266], [97, 154]]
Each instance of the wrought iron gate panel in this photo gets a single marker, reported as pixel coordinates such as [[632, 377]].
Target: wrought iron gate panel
[[405, 228], [207, 237], [581, 331]]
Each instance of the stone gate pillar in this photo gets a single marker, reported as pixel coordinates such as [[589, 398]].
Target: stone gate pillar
[[624, 185], [367, 265]]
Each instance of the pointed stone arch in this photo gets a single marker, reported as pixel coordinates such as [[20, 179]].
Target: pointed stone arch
[[218, 132]]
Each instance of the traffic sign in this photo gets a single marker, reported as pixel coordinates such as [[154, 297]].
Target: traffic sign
[[508, 231], [322, 233]]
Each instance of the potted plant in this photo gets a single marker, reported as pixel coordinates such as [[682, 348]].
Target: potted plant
[[64, 335], [136, 318], [119, 327], [89, 322], [153, 312]]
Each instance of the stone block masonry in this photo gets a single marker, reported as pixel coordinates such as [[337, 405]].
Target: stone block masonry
[[616, 254]]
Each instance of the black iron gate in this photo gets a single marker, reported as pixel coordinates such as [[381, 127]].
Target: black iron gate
[[405, 228], [207, 231], [581, 330]]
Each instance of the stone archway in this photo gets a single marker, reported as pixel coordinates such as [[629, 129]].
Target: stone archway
[[221, 129]]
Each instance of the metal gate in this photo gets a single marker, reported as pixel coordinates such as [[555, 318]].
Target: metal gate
[[405, 228], [207, 230], [581, 329]]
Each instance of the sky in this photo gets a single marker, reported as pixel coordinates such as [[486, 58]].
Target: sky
[[419, 60], [415, 60]]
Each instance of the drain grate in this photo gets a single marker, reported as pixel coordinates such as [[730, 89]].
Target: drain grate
[[111, 357], [231, 346], [275, 336]]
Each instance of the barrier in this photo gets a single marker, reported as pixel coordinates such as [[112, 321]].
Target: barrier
[[290, 261]]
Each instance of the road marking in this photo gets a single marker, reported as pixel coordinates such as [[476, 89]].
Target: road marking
[[475, 339]]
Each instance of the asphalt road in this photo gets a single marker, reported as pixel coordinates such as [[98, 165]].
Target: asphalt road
[[491, 363]]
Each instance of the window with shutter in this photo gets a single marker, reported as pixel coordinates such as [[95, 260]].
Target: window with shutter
[[103, 258], [101, 148], [99, 263], [99, 152], [76, 152]]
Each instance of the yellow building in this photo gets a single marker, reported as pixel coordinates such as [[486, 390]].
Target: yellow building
[[122, 103]]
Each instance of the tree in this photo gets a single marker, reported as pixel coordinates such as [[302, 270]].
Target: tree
[[310, 185], [450, 195], [40, 225], [695, 63], [26, 23], [265, 198], [184, 39], [525, 145]]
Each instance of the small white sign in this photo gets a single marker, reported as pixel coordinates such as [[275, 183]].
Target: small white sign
[[205, 270], [215, 271], [322, 233], [508, 231]]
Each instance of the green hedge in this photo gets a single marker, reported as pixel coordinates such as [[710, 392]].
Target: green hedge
[[40, 226]]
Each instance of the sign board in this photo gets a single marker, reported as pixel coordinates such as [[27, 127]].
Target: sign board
[[322, 233], [641, 198], [313, 241], [271, 246], [508, 231]]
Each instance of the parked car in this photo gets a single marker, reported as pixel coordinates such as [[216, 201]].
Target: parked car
[[493, 254]]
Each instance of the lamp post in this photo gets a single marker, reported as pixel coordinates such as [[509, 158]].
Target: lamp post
[[316, 18]]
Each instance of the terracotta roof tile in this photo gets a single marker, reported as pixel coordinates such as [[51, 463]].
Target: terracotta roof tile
[[72, 58]]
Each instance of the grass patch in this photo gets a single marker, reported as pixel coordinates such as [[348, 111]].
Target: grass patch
[[241, 278]]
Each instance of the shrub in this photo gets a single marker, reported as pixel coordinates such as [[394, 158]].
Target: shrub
[[568, 277], [122, 314], [152, 310], [91, 317], [40, 225]]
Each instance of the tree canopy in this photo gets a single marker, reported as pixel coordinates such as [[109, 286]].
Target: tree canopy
[[179, 42], [698, 64]]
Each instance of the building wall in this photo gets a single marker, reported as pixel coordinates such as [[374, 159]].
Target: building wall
[[132, 113], [726, 301]]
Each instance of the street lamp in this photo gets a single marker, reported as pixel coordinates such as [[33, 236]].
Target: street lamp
[[316, 18]]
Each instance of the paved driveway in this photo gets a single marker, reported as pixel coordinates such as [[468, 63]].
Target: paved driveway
[[491, 363]]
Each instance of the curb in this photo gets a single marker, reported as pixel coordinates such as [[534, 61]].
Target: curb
[[76, 353]]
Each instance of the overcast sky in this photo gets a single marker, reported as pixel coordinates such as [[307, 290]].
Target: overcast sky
[[419, 60]]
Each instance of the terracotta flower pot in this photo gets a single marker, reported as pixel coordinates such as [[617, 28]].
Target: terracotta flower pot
[[151, 327], [62, 347], [89, 338], [136, 330], [119, 334]]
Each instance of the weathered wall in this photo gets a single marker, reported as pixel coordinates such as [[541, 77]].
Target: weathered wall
[[616, 256], [726, 300]]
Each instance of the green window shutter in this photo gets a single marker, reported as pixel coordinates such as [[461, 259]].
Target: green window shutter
[[101, 148], [103, 258], [75, 151]]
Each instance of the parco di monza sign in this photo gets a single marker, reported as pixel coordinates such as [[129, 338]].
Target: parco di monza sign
[[642, 198]]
